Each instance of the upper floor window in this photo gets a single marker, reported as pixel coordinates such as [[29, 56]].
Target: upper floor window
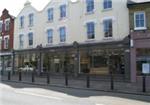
[[1, 27], [31, 16], [0, 42], [62, 11], [21, 41], [30, 38], [62, 31], [50, 14], [89, 5], [139, 20], [21, 21], [90, 30], [49, 36], [107, 4], [7, 25], [6, 42], [108, 28]]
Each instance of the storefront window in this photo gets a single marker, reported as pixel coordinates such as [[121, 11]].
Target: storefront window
[[143, 56]]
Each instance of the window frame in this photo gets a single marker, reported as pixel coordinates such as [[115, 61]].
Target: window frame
[[62, 13], [109, 35], [62, 34], [21, 42], [107, 3], [31, 19], [90, 5], [49, 36], [6, 43], [7, 24], [29, 40], [1, 26], [90, 33], [139, 28], [21, 21], [50, 16]]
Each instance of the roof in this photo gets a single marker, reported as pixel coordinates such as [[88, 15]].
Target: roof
[[138, 1]]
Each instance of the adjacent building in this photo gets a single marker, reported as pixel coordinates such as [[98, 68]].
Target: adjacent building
[[86, 35], [6, 40], [139, 14]]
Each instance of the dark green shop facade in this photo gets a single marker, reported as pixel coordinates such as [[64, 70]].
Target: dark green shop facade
[[77, 58]]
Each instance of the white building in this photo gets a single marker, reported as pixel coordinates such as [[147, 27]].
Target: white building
[[93, 23]]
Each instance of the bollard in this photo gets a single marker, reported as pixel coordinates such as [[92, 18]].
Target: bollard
[[20, 76], [88, 81], [48, 78], [9, 75], [112, 82], [66, 79], [144, 83], [33, 80]]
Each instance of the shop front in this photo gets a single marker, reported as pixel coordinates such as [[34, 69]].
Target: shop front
[[140, 54], [5, 61], [94, 58]]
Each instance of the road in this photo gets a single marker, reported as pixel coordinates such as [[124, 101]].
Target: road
[[24, 94]]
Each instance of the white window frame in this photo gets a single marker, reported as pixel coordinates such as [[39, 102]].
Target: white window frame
[[6, 20], [1, 26], [6, 47], [1, 42], [106, 19], [139, 28], [20, 41]]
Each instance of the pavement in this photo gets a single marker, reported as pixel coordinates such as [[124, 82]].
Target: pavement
[[24, 94]]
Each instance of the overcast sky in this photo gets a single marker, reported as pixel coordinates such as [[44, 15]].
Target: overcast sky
[[15, 6]]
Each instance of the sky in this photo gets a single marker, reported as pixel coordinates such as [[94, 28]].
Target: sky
[[15, 6]]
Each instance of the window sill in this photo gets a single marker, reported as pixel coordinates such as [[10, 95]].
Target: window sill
[[107, 9], [90, 40], [61, 43], [90, 13], [30, 26], [50, 21], [21, 28], [140, 28], [108, 38], [63, 18], [49, 44]]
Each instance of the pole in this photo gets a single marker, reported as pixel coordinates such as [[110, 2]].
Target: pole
[[88, 81], [144, 83], [20, 76], [9, 75], [112, 81], [33, 80], [66, 79], [48, 78]]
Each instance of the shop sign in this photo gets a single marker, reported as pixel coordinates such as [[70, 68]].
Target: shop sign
[[145, 68]]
